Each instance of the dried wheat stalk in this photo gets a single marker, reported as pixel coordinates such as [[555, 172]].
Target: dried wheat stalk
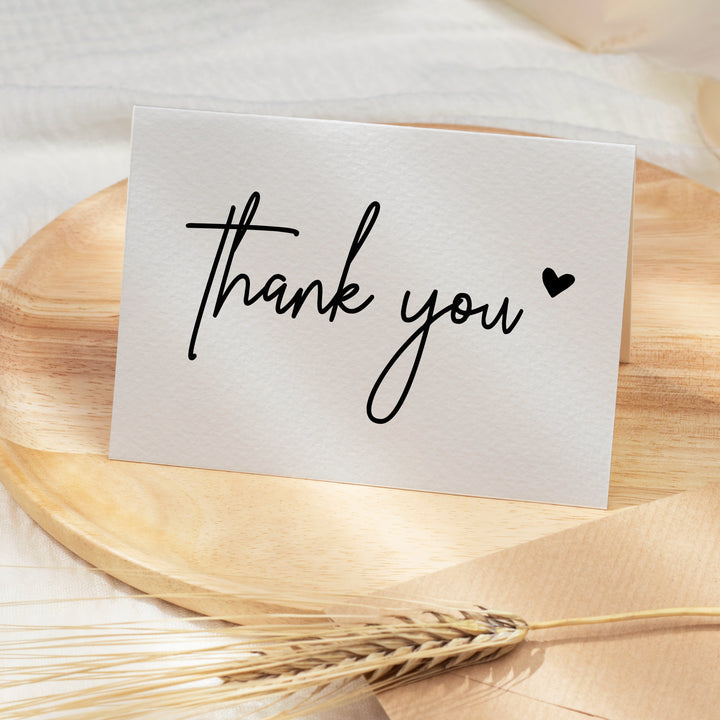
[[245, 663], [262, 661]]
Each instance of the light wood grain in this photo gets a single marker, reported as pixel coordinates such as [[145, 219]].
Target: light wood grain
[[167, 530]]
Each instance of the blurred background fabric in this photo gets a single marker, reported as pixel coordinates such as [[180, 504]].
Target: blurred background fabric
[[70, 73], [680, 34]]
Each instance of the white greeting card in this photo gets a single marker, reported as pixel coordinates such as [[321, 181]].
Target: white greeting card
[[395, 306]]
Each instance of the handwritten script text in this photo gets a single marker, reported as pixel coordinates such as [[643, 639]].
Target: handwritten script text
[[344, 298]]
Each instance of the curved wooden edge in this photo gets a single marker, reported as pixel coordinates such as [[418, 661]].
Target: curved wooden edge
[[213, 595], [231, 544], [59, 324]]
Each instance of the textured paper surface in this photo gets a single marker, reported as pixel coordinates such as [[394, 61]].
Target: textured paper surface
[[526, 413], [663, 554]]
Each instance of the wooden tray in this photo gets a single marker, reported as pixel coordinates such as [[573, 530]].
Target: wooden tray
[[228, 543]]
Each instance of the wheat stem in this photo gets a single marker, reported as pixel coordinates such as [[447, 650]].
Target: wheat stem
[[622, 617]]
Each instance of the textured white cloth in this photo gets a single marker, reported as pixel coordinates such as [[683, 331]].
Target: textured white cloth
[[70, 73]]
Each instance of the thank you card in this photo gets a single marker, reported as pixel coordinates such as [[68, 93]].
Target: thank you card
[[408, 307]]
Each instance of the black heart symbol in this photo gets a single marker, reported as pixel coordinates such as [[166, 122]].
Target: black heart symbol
[[554, 284]]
